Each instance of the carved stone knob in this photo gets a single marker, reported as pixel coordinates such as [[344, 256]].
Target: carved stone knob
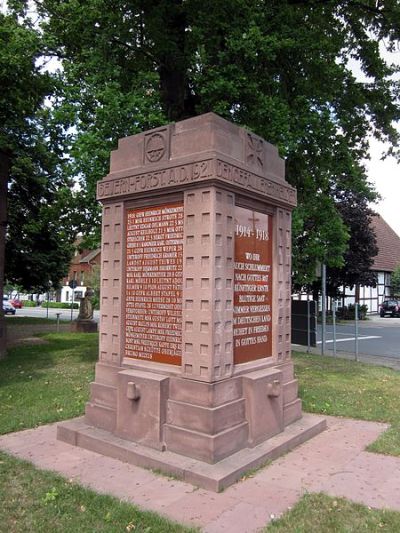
[[132, 391], [274, 388]]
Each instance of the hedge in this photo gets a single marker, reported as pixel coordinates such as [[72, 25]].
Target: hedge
[[59, 305], [28, 303]]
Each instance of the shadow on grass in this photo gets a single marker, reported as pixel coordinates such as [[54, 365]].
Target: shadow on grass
[[27, 362]]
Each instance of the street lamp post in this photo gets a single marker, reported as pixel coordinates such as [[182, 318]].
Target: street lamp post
[[73, 284], [48, 297]]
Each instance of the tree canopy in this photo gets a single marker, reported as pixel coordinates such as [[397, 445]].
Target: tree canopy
[[37, 242], [281, 68], [396, 281]]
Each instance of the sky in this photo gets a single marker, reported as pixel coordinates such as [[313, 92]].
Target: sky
[[385, 175]]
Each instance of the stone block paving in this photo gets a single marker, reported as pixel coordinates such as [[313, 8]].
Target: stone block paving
[[334, 462]]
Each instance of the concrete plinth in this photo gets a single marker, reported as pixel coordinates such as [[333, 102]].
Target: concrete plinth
[[214, 477]]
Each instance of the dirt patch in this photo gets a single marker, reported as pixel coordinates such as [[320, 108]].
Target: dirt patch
[[27, 340], [27, 333]]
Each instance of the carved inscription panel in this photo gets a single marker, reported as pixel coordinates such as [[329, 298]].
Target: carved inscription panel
[[154, 248], [252, 312]]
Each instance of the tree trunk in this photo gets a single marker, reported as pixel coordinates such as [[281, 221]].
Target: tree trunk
[[177, 99], [5, 162]]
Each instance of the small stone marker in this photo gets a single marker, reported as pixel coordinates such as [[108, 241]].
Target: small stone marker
[[195, 348], [85, 323]]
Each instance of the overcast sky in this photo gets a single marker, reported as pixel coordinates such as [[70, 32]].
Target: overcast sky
[[386, 177], [385, 174]]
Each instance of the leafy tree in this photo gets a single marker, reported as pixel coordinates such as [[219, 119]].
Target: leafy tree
[[359, 257], [396, 281], [279, 67], [37, 242]]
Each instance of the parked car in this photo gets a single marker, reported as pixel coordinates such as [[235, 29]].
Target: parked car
[[8, 308], [390, 308], [17, 304]]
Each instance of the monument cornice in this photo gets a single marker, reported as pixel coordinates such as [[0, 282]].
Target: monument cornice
[[214, 168]]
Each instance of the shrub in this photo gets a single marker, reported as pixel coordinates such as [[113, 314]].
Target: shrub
[[28, 303], [349, 312], [59, 305]]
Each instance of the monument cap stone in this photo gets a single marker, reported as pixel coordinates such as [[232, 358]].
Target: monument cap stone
[[197, 150]]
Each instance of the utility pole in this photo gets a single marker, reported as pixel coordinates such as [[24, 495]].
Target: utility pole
[[323, 329], [5, 163]]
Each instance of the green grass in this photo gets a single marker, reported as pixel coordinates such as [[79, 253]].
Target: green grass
[[40, 501], [15, 321], [340, 387], [46, 383], [42, 383], [318, 513]]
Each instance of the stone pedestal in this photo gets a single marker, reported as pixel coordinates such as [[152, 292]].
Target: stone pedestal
[[84, 326], [195, 348]]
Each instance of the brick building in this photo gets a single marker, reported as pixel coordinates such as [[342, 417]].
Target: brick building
[[81, 267]]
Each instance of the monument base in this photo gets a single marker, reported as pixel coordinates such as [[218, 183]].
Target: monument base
[[214, 477], [84, 326]]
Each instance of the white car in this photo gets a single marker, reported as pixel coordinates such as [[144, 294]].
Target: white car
[[8, 308]]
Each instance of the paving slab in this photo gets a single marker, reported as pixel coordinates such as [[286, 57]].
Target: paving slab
[[216, 476], [334, 462]]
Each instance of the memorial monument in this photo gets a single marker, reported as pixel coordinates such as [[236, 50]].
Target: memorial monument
[[195, 349]]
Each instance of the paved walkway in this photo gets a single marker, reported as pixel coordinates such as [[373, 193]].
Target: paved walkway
[[333, 462]]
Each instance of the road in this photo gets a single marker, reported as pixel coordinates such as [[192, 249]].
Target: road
[[377, 336], [40, 312]]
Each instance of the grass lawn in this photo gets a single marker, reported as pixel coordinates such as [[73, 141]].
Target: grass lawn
[[39, 501], [42, 383], [15, 321], [47, 382], [318, 513], [339, 387]]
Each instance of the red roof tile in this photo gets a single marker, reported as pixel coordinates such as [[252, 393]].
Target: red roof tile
[[388, 241]]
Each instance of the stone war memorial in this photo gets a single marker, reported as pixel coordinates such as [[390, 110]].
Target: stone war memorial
[[195, 376]]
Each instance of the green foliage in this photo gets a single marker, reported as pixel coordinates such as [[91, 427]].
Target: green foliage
[[395, 281], [60, 305], [279, 68], [349, 312], [363, 247], [23, 85], [29, 303], [38, 239]]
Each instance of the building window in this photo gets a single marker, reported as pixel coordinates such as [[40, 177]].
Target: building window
[[82, 277]]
